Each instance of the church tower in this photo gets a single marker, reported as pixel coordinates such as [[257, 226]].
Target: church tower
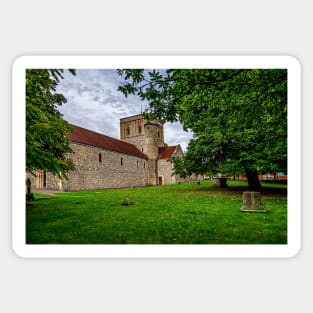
[[148, 137], [153, 138], [132, 130]]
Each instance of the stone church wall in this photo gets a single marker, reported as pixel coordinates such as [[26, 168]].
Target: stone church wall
[[165, 169], [43, 179], [152, 169], [137, 141], [92, 171], [97, 168]]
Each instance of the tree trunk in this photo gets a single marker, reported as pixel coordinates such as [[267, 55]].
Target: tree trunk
[[29, 194], [253, 181]]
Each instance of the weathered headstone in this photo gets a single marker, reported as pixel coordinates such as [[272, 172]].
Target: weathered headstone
[[252, 202], [220, 182], [126, 202]]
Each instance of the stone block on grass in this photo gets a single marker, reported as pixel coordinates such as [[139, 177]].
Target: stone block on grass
[[252, 202], [126, 202], [220, 182]]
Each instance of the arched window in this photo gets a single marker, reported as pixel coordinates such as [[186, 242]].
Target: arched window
[[127, 131], [139, 129], [121, 161], [100, 157]]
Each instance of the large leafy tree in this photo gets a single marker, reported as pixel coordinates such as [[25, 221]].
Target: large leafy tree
[[238, 116], [46, 131]]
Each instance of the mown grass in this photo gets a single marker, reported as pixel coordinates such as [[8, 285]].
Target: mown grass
[[174, 214]]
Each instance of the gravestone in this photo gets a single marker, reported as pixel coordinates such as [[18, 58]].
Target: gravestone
[[126, 202], [220, 182], [252, 202]]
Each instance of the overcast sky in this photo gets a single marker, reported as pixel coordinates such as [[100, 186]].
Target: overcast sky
[[93, 102]]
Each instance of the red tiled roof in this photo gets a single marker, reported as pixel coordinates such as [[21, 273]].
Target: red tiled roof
[[166, 152], [91, 138]]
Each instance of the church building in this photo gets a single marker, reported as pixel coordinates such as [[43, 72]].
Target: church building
[[138, 158]]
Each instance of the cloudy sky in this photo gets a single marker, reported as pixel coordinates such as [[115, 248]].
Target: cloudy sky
[[93, 102]]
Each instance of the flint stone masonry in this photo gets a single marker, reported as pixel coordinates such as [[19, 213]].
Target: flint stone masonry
[[165, 167], [116, 170], [252, 202], [46, 180]]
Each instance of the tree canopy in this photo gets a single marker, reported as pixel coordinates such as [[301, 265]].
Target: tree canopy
[[46, 131], [238, 116]]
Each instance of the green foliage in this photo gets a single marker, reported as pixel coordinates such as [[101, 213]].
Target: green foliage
[[46, 131], [238, 116], [171, 214]]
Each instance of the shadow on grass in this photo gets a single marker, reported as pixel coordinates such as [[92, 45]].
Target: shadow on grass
[[41, 197], [239, 190]]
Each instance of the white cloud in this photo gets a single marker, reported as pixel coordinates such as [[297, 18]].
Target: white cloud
[[95, 103], [174, 134]]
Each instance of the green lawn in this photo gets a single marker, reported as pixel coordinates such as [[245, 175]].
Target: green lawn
[[174, 214]]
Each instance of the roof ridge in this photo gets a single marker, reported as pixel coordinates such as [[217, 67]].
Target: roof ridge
[[93, 131], [96, 139], [169, 146], [166, 152]]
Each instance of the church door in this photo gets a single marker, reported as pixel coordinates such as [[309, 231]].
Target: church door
[[42, 179]]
